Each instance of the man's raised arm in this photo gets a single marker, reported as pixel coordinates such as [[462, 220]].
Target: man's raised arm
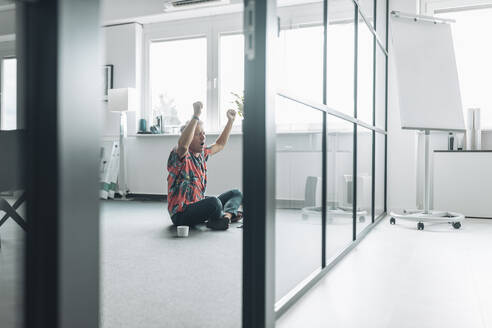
[[189, 131], [224, 136]]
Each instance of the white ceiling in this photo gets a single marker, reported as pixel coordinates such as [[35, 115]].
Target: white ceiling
[[149, 11]]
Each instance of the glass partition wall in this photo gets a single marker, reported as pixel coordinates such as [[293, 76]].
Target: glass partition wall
[[12, 196], [331, 112]]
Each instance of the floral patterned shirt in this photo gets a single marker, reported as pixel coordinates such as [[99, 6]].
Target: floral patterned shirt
[[187, 179]]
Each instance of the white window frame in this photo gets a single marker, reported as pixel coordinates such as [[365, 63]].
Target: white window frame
[[209, 27]]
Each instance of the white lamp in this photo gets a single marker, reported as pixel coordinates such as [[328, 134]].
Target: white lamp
[[121, 101]]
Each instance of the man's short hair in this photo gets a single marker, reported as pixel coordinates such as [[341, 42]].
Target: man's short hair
[[186, 124]]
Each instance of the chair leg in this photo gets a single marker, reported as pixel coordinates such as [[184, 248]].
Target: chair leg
[[19, 201], [11, 212], [4, 204], [17, 218]]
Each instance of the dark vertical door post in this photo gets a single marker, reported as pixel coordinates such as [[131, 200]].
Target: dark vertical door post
[[60, 90], [324, 140], [354, 169], [260, 23]]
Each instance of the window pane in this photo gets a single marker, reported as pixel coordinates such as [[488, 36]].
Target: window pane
[[364, 178], [339, 208], [178, 78], [365, 74], [381, 20], [379, 178], [9, 94], [367, 8], [299, 73], [298, 196], [380, 88], [340, 57], [231, 74], [473, 53]]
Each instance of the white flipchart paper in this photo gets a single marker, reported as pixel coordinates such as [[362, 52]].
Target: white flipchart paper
[[429, 92]]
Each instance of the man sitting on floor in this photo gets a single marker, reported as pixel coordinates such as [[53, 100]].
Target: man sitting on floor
[[187, 179]]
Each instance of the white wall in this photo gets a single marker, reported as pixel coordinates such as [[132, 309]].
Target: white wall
[[123, 50], [401, 143], [147, 164]]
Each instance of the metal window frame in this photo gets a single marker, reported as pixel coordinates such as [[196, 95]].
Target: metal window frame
[[374, 70], [371, 28], [60, 112], [297, 292], [259, 175]]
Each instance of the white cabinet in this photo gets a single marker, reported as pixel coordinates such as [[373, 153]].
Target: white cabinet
[[463, 182]]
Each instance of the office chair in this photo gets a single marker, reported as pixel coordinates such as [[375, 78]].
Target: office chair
[[11, 165]]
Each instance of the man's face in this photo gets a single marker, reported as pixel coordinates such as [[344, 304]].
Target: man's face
[[198, 142]]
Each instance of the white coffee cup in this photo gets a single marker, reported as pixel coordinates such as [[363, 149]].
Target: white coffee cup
[[183, 231]]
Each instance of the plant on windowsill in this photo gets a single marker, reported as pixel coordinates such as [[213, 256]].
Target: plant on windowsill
[[165, 115], [239, 103]]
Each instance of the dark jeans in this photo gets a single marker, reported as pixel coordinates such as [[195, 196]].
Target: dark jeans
[[210, 208]]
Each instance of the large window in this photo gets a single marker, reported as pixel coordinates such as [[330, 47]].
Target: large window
[[365, 76], [473, 53], [299, 72], [178, 78], [231, 74], [8, 105], [340, 66]]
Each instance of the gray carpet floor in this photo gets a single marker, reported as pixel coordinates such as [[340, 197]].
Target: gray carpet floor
[[150, 278], [11, 262]]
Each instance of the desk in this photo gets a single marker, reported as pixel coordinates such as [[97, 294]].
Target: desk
[[463, 182]]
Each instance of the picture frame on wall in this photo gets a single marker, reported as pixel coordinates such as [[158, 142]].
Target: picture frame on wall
[[108, 80]]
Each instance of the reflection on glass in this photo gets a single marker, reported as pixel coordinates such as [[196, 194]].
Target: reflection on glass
[[380, 88], [178, 77], [12, 233], [298, 216], [381, 20], [288, 118], [364, 178], [365, 74], [231, 74], [379, 178], [339, 159], [340, 57], [8, 115], [367, 9], [299, 72]]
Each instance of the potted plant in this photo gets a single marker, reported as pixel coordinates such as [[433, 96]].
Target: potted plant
[[239, 103]]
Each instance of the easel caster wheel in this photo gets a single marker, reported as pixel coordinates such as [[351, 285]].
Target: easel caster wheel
[[362, 219], [456, 225], [392, 221], [420, 226]]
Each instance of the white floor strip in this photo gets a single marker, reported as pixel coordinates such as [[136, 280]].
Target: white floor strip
[[401, 277]]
